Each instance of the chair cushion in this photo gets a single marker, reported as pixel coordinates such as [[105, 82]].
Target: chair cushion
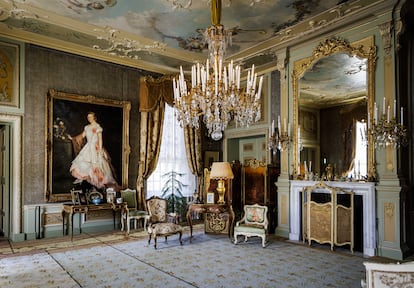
[[164, 229], [255, 214], [249, 229], [137, 213]]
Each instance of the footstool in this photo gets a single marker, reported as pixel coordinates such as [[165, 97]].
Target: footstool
[[164, 229]]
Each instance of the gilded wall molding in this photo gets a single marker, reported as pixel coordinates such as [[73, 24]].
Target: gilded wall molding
[[385, 31]]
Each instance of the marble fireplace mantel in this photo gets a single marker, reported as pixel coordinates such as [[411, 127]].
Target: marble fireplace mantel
[[366, 190]]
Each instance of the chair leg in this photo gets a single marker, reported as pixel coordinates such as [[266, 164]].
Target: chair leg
[[122, 222], [128, 220], [235, 238], [155, 242], [181, 241], [145, 223], [263, 242]]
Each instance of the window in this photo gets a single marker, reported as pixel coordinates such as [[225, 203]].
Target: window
[[172, 158]]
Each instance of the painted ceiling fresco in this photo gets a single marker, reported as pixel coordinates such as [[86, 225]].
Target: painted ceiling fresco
[[162, 35], [334, 78], [180, 23]]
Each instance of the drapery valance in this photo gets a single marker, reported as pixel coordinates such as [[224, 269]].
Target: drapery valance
[[152, 91]]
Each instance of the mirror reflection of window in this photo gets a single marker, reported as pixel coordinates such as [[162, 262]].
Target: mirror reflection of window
[[359, 169]]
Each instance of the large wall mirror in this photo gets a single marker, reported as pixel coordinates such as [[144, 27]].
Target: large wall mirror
[[333, 99]]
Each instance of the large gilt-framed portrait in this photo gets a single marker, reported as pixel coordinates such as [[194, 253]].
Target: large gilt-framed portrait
[[66, 120]]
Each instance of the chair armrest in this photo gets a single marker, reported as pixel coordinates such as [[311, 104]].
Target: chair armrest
[[241, 221]]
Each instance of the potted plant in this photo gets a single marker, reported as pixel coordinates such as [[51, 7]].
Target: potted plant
[[172, 191]]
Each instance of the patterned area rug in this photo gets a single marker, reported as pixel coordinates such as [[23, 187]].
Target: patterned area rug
[[209, 261]]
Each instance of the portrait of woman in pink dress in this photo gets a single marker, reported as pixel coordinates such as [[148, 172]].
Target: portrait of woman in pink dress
[[92, 163]]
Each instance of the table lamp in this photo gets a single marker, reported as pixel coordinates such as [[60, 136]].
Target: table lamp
[[221, 171]]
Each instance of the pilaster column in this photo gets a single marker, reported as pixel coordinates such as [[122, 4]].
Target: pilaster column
[[283, 180], [388, 188]]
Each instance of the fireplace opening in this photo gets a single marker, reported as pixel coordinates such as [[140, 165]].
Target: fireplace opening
[[358, 217]]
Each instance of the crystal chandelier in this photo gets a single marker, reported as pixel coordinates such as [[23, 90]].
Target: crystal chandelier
[[215, 93]]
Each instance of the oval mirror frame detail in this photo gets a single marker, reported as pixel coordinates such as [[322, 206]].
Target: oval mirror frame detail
[[364, 49]]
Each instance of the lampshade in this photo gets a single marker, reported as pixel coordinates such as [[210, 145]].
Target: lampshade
[[221, 170]]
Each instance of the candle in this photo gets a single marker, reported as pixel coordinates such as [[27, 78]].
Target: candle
[[220, 68], [198, 74], [388, 114], [288, 129], [207, 70], [383, 107], [310, 166], [402, 116], [260, 87], [375, 113], [278, 123], [284, 125], [273, 127], [299, 133], [395, 108]]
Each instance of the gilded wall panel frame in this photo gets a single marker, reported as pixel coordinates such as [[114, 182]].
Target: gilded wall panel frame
[[9, 75], [66, 117]]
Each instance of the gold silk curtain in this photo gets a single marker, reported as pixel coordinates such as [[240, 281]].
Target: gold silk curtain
[[154, 94], [192, 138]]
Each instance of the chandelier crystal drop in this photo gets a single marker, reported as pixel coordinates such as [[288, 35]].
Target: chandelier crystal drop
[[215, 93]]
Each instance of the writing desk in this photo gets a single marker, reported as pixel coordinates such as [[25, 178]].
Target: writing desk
[[218, 209], [70, 209]]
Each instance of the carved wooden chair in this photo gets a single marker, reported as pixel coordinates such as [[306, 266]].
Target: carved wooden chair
[[388, 275], [161, 223], [253, 223], [131, 212]]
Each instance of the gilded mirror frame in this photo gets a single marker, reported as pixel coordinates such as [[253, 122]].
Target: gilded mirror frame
[[364, 48]]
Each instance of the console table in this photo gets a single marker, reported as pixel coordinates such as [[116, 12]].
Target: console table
[[217, 209], [70, 209]]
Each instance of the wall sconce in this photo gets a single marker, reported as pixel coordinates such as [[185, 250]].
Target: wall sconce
[[279, 139], [221, 171], [388, 131]]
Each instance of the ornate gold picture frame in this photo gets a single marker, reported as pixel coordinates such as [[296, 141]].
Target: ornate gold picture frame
[[67, 117], [9, 75]]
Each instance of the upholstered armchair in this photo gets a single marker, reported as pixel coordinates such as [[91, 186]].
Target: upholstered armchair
[[253, 223], [382, 275], [161, 223], [131, 212]]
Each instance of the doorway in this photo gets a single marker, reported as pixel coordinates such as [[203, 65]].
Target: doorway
[[4, 180]]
